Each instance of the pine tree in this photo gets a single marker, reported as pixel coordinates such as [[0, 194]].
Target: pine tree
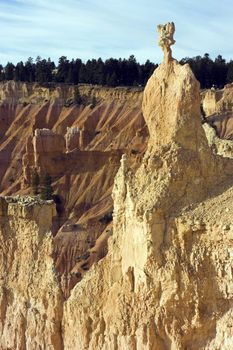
[[2, 74], [9, 71], [62, 70], [30, 68], [43, 70], [46, 190], [77, 97], [35, 181], [230, 72], [112, 80], [20, 72], [93, 102]]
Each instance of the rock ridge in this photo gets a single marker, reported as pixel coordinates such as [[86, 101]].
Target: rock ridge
[[13, 93]]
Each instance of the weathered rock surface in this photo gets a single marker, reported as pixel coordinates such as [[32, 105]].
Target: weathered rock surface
[[83, 168], [218, 108], [30, 296], [162, 284], [218, 101], [219, 146], [13, 93], [166, 282]]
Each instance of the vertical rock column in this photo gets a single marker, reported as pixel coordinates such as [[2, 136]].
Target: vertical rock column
[[30, 296], [144, 294]]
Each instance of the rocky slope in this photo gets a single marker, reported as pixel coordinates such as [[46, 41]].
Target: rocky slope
[[166, 281], [30, 296], [218, 108], [80, 146]]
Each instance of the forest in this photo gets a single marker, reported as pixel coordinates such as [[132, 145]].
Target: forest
[[112, 72]]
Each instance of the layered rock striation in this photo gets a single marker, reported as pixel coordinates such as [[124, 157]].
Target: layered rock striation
[[30, 296], [218, 109], [165, 283], [82, 160]]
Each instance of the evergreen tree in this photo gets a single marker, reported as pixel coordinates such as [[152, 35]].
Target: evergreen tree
[[63, 70], [145, 71], [2, 74], [99, 72], [76, 70], [89, 72], [20, 72], [30, 70], [113, 72], [219, 71], [82, 74], [9, 71], [70, 75], [230, 72], [93, 102], [44, 70], [77, 97], [46, 189], [112, 80], [132, 71], [35, 181]]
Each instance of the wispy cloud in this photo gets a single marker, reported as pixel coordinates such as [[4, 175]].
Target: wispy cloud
[[110, 28]]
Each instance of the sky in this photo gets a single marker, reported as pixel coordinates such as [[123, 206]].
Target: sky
[[89, 29]]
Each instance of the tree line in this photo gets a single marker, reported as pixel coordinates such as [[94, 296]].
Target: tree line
[[210, 72], [112, 72]]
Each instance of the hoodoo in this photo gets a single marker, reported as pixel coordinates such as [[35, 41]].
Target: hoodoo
[[166, 281]]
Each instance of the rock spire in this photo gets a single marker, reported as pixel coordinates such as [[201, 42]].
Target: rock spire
[[166, 40]]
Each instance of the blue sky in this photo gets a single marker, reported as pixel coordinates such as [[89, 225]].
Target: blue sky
[[112, 28]]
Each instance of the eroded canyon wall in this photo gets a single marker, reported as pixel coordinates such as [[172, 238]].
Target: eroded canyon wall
[[36, 132], [166, 281], [30, 295]]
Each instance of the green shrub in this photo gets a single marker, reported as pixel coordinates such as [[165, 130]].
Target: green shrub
[[77, 97], [46, 190], [35, 181]]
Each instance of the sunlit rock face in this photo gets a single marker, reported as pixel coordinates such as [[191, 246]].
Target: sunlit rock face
[[162, 283], [166, 282], [30, 296]]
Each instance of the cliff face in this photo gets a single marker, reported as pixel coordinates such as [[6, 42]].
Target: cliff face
[[166, 281], [112, 123], [218, 101], [79, 145], [218, 108], [30, 296], [13, 93]]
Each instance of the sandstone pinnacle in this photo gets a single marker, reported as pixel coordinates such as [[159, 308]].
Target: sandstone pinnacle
[[166, 281], [166, 39]]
